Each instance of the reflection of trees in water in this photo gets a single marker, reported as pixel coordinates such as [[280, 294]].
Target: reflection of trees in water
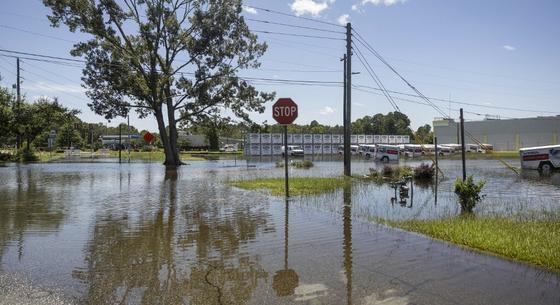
[[27, 207], [171, 257]]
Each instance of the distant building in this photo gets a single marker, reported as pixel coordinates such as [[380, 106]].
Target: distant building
[[113, 141], [510, 134]]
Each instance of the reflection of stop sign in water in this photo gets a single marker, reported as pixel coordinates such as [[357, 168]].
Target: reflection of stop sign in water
[[285, 111], [148, 137]]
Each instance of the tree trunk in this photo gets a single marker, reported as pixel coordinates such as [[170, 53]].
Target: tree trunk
[[169, 147]]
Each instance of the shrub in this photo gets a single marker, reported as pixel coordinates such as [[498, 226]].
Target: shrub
[[424, 172], [302, 164], [26, 155], [387, 171], [404, 171], [5, 157], [469, 193]]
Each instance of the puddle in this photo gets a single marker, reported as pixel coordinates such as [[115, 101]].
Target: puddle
[[135, 233]]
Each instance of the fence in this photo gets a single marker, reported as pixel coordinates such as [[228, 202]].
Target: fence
[[265, 144]]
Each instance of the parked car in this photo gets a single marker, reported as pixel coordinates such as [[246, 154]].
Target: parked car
[[412, 150], [543, 158], [229, 148], [293, 150], [387, 153]]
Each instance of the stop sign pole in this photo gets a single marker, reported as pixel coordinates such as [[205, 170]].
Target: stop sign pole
[[285, 112]]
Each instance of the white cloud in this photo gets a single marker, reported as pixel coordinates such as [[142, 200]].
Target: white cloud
[[343, 19], [44, 87], [354, 7], [507, 47], [302, 7], [384, 2], [326, 110], [249, 10]]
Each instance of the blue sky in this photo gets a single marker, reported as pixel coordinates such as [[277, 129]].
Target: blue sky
[[499, 53]]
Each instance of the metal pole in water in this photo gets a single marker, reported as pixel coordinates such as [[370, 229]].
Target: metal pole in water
[[463, 145], [436, 153], [286, 160]]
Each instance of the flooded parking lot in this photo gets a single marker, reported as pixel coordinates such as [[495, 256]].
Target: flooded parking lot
[[104, 233]]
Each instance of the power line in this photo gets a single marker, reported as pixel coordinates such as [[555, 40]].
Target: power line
[[376, 78], [35, 33], [293, 16], [294, 26], [296, 35], [361, 40]]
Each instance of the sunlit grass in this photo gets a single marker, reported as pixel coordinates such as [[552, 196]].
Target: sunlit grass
[[298, 185], [535, 241], [157, 155]]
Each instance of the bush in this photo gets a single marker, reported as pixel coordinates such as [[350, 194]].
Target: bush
[[5, 157], [302, 164], [387, 171], [469, 193], [27, 155], [424, 172]]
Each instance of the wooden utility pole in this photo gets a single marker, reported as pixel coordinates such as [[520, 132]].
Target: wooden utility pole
[[348, 103], [18, 103], [463, 145]]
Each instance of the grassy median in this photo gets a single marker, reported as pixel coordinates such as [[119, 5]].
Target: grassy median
[[533, 241], [298, 185]]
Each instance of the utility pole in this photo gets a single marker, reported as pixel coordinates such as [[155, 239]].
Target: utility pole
[[18, 103], [348, 98], [128, 133], [463, 145], [344, 113]]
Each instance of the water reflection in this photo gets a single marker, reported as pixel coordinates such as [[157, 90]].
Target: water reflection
[[26, 206], [347, 238], [286, 280], [183, 250]]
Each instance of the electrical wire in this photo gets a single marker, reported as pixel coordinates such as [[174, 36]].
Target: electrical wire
[[35, 33], [271, 11], [376, 78], [294, 26], [297, 35]]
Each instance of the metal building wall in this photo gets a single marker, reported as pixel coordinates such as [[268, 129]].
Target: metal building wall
[[503, 134]]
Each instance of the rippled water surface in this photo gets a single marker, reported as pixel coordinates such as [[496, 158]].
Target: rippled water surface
[[104, 233]]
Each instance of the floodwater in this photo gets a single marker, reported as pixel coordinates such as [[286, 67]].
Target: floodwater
[[104, 233]]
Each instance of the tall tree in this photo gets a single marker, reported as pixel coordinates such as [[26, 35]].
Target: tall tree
[[174, 59]]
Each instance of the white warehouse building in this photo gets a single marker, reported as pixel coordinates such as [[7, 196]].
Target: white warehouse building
[[510, 134]]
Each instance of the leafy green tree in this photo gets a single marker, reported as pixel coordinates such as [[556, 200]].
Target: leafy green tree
[[44, 114], [175, 60], [69, 136], [6, 115], [424, 134]]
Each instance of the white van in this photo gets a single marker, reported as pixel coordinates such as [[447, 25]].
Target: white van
[[293, 150], [543, 158], [445, 150], [354, 149], [368, 150], [412, 150], [387, 153]]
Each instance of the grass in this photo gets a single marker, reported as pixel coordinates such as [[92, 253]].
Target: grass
[[534, 241], [480, 156], [157, 155], [44, 156], [298, 185]]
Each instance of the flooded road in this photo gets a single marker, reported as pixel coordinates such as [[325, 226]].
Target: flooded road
[[138, 234]]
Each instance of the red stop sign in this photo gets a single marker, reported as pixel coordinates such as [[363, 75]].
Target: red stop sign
[[285, 111], [148, 137]]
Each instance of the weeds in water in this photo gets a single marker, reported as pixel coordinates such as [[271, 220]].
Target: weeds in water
[[298, 185], [305, 164], [424, 172], [469, 193]]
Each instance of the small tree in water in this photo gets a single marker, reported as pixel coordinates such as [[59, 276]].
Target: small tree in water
[[175, 60], [469, 193]]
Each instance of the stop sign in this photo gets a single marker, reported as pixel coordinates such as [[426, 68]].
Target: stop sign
[[148, 137], [285, 111]]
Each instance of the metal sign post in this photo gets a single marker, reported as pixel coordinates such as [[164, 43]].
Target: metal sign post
[[285, 112]]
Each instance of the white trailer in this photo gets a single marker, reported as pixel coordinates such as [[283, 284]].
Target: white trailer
[[387, 153], [543, 158]]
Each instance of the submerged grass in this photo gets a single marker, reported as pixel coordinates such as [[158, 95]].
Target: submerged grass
[[535, 241], [298, 185], [157, 155]]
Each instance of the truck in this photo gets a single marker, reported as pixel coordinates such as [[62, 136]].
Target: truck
[[387, 153], [542, 158], [293, 150]]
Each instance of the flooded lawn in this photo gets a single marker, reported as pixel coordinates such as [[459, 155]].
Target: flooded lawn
[[104, 233]]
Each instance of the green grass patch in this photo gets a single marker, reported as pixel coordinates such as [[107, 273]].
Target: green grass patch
[[487, 156], [535, 241], [156, 155], [298, 185]]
